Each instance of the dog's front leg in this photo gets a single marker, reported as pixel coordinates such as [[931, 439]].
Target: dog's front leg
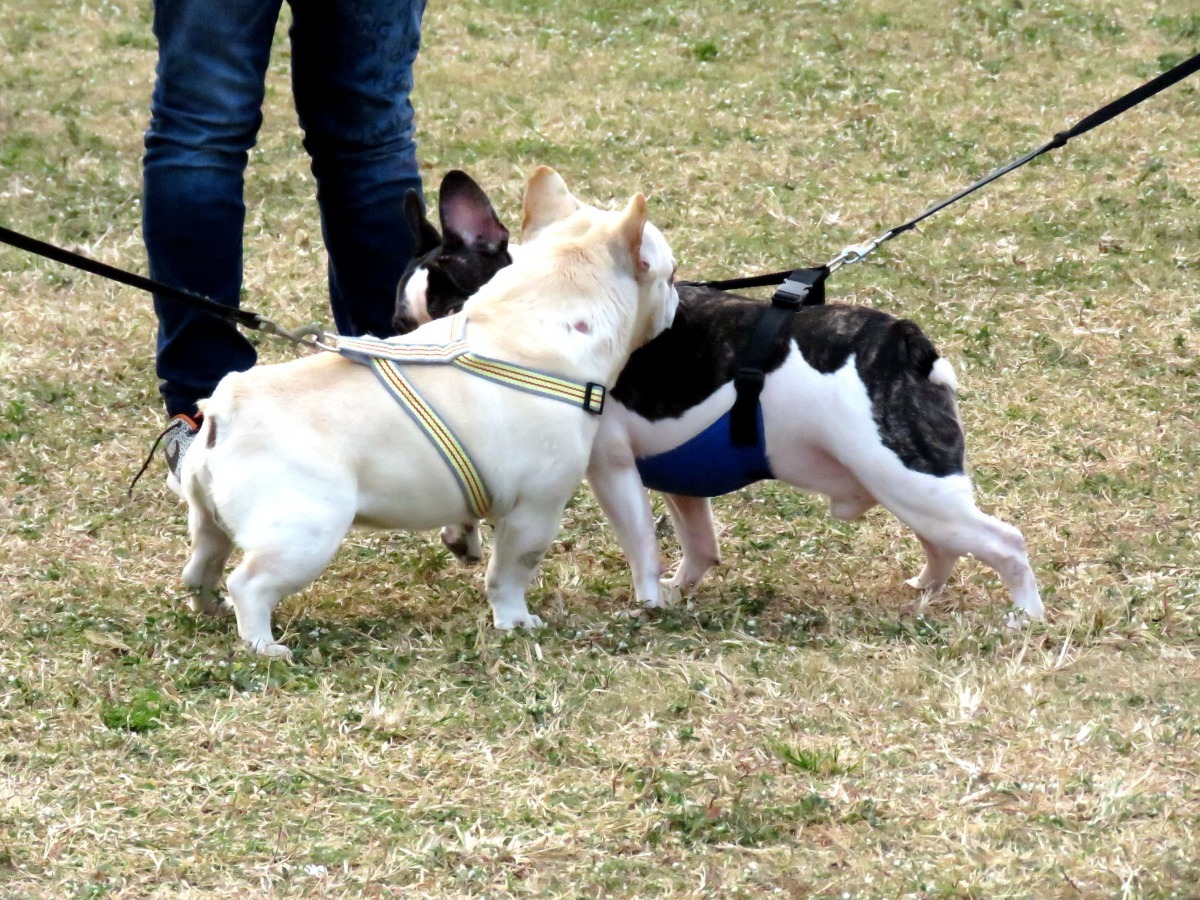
[[618, 487], [697, 534], [521, 540], [210, 551]]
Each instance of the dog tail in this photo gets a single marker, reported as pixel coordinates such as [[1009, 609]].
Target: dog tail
[[218, 410], [943, 374], [908, 350], [911, 345], [911, 351]]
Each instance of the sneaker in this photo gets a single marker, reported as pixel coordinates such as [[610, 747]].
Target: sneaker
[[178, 437]]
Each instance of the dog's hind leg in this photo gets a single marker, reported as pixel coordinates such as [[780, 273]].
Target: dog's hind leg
[[521, 540], [946, 518], [697, 534], [211, 547], [284, 555], [938, 566]]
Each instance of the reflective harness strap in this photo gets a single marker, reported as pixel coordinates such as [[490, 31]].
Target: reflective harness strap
[[441, 435], [589, 396], [387, 358]]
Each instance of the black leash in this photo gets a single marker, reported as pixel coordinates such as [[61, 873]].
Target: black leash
[[797, 287], [806, 287], [212, 307], [857, 252]]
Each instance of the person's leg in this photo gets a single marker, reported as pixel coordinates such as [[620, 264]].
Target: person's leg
[[351, 76], [204, 116]]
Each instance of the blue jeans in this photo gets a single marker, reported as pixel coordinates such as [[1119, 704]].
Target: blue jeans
[[351, 78]]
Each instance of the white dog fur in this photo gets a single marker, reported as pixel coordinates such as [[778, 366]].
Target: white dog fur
[[291, 456]]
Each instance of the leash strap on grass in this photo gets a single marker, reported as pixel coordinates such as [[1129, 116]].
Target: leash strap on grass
[[858, 252]]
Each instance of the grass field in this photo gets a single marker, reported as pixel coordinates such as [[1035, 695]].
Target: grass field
[[801, 726]]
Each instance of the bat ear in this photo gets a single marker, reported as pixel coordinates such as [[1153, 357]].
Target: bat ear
[[467, 214], [547, 200], [630, 229]]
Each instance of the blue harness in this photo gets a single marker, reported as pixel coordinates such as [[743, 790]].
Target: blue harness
[[732, 452], [709, 464]]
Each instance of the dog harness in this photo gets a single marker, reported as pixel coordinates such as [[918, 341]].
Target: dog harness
[[710, 464], [732, 452], [387, 359]]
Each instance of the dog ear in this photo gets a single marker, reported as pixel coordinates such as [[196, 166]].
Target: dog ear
[[547, 199], [427, 236], [629, 233], [467, 214]]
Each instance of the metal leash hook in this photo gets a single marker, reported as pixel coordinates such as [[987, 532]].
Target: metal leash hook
[[312, 335], [855, 253]]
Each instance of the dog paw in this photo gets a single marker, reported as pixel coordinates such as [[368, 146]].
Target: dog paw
[[271, 650], [1018, 619], [525, 620], [638, 612], [670, 593], [933, 588], [211, 604]]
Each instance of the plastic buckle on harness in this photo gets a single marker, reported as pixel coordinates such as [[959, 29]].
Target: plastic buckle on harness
[[788, 297], [593, 398], [803, 287]]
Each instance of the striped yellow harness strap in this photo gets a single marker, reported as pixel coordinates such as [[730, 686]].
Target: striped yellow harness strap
[[446, 344]]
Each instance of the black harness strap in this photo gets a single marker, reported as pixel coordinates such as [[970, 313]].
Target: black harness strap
[[803, 287]]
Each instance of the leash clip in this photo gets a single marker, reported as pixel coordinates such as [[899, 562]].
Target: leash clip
[[312, 335], [855, 253]]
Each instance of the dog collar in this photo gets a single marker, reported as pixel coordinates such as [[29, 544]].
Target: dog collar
[[387, 358], [588, 396]]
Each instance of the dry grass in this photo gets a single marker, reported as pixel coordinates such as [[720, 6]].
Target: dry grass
[[796, 729]]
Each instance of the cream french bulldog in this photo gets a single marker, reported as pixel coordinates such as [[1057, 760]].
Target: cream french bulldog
[[291, 456]]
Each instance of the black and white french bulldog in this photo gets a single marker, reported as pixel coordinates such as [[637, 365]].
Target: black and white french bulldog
[[449, 267], [856, 405]]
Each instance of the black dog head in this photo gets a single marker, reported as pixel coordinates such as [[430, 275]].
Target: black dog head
[[447, 270]]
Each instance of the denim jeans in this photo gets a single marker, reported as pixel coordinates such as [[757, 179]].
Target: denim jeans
[[351, 79]]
